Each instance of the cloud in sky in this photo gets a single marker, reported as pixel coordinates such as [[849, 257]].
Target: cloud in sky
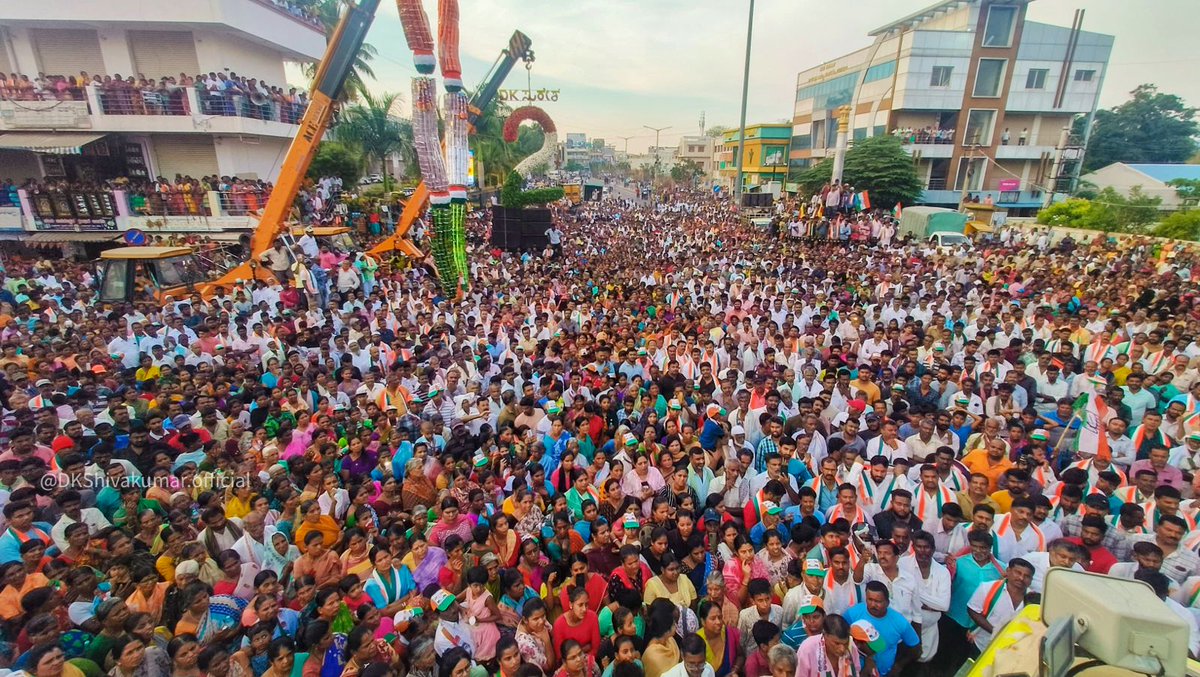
[[622, 64]]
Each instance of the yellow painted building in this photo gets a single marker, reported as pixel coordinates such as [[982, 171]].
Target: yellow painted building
[[766, 155]]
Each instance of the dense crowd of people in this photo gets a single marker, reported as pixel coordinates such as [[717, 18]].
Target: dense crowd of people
[[673, 445], [219, 93]]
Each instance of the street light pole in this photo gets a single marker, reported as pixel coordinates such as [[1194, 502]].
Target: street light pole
[[654, 167], [737, 188]]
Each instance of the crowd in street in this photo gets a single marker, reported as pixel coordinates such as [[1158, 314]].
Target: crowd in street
[[675, 445]]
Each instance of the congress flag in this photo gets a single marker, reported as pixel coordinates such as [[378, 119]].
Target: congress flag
[[1092, 439]]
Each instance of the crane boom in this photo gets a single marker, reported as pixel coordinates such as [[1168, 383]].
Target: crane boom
[[327, 86]]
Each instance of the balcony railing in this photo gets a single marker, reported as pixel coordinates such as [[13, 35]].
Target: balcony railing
[[928, 135], [170, 101], [124, 101], [936, 184]]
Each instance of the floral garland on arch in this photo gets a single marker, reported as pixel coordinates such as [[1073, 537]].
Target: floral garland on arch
[[543, 155]]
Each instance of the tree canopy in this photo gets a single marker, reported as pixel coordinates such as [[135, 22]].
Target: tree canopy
[[335, 159], [370, 126], [1149, 127], [877, 164], [1109, 211]]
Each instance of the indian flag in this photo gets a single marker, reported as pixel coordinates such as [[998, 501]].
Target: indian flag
[[1091, 440], [1191, 422]]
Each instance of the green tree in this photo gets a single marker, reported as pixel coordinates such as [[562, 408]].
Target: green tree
[[1188, 190], [686, 172], [1149, 127], [336, 159], [370, 126], [575, 166], [328, 12], [877, 164], [1109, 212], [1180, 225], [717, 131]]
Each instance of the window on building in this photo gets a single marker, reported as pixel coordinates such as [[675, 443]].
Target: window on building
[[1084, 75], [1001, 21], [941, 76], [989, 77], [1036, 78], [979, 128]]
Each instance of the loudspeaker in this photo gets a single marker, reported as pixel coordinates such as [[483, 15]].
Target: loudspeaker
[[757, 199], [520, 229]]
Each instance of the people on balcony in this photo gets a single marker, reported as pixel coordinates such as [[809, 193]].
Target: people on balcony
[[219, 93], [934, 135]]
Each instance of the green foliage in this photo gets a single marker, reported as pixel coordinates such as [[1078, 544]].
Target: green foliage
[[335, 159], [1180, 225], [1188, 190], [814, 177], [575, 166], [686, 171], [877, 164], [1108, 212], [369, 125], [1149, 127], [514, 196]]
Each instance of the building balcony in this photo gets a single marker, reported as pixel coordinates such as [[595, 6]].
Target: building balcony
[[1027, 152], [132, 111], [929, 151], [278, 24], [116, 211], [937, 194]]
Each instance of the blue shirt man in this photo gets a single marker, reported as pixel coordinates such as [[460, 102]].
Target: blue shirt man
[[893, 628]]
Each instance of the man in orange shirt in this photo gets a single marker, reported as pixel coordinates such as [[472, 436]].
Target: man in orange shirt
[[991, 462]]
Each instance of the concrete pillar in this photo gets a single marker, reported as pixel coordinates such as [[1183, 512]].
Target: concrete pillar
[[122, 202], [114, 49], [839, 153], [193, 101], [24, 54], [93, 100], [214, 203]]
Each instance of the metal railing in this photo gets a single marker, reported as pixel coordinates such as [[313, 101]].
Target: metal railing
[[134, 101], [936, 184], [240, 202], [928, 135], [177, 202], [257, 108]]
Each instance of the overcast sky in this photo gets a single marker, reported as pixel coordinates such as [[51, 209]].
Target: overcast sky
[[622, 64]]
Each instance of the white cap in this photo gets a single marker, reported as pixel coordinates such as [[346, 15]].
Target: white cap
[[737, 430]]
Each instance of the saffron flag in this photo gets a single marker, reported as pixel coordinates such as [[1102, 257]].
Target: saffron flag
[[1092, 412], [865, 197], [896, 210]]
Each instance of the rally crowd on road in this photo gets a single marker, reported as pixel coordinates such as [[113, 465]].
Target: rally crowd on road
[[674, 444]]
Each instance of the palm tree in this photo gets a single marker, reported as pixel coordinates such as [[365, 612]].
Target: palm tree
[[369, 125], [328, 12]]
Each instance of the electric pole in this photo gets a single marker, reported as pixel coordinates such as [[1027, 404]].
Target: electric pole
[[657, 131], [737, 188]]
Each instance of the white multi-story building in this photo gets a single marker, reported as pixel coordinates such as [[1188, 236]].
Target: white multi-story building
[[979, 94], [84, 130], [698, 149]]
